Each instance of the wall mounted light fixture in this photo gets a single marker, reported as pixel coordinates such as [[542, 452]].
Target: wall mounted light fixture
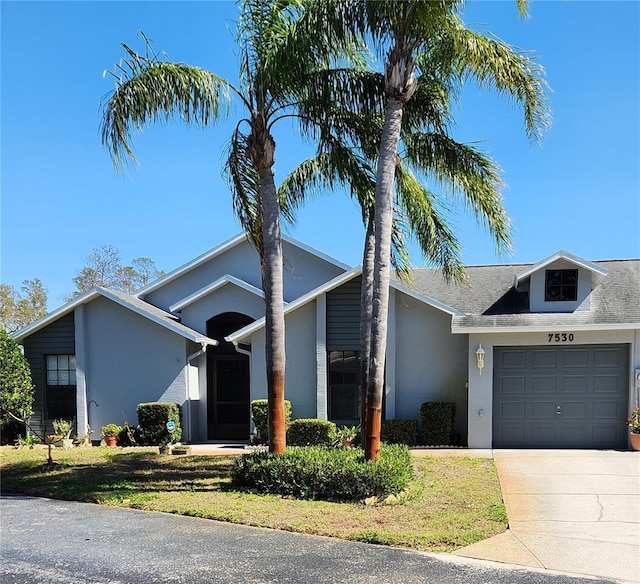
[[480, 352]]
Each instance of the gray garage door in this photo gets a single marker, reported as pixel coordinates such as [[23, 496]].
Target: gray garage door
[[560, 397]]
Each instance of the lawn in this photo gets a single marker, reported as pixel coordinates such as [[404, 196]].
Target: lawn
[[451, 503]]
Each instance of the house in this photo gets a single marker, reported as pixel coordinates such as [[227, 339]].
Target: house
[[544, 355]]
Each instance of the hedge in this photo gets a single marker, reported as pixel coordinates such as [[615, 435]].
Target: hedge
[[311, 432], [330, 474], [437, 422], [400, 432], [260, 417], [153, 418]]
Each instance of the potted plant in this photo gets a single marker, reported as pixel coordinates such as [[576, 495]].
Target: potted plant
[[180, 449], [62, 433], [346, 435], [633, 421], [110, 433]]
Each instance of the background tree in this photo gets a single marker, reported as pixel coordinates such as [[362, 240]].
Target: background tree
[[104, 268], [16, 388], [19, 309]]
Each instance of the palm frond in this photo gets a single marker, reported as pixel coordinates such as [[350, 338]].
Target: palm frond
[[149, 89], [468, 173], [499, 67], [438, 243]]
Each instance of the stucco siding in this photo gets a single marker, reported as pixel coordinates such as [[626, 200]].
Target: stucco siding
[[431, 363], [229, 298], [302, 272], [129, 360], [240, 261], [300, 376]]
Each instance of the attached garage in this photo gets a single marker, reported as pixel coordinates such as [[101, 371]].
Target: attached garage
[[560, 397]]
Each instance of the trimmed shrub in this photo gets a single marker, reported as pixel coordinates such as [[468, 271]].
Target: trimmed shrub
[[311, 432], [260, 417], [153, 418], [400, 432], [329, 474], [437, 422]]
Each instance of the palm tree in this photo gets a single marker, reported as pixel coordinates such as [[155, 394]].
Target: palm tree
[[275, 65], [348, 144], [418, 40]]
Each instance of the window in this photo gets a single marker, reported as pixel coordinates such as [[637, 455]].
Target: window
[[61, 386], [561, 285], [344, 385]]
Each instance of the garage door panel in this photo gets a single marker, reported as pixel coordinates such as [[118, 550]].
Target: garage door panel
[[606, 410], [574, 410], [512, 410], [574, 384], [607, 384], [575, 358], [544, 359], [513, 359], [512, 384], [607, 358], [541, 410], [560, 397], [543, 384]]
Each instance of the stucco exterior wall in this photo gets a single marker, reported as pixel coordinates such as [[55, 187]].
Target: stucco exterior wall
[[481, 384], [431, 362], [129, 360], [300, 376], [229, 298], [302, 272]]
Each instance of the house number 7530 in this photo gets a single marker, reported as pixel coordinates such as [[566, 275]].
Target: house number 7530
[[560, 337]]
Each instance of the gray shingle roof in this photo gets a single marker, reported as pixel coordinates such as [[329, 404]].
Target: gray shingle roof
[[490, 300]]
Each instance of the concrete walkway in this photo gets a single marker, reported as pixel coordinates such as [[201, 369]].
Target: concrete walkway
[[574, 511]]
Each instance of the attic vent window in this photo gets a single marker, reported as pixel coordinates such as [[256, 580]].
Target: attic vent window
[[561, 285]]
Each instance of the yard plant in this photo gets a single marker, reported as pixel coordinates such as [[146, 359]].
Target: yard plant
[[450, 502]]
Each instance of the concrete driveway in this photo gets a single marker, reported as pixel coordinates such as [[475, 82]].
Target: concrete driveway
[[573, 511]]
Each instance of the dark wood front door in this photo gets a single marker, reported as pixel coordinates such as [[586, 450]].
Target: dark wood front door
[[229, 397]]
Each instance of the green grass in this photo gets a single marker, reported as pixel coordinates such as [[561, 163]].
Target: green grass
[[452, 502]]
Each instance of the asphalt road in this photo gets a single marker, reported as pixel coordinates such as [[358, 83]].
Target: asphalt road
[[45, 541]]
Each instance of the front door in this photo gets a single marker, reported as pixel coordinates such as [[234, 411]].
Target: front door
[[228, 381], [229, 389]]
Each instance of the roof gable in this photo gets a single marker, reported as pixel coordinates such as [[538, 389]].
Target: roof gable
[[223, 248], [132, 303], [247, 331], [597, 272], [219, 283]]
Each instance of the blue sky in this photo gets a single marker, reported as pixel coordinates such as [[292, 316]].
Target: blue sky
[[578, 190]]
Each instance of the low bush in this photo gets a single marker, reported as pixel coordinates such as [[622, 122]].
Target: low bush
[[260, 417], [437, 422], [311, 432], [153, 418], [400, 432], [330, 474]]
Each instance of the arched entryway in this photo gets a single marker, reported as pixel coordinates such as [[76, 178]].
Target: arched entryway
[[228, 381]]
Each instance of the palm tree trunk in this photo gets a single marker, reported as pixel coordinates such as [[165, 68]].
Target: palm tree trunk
[[383, 225], [274, 318], [366, 307]]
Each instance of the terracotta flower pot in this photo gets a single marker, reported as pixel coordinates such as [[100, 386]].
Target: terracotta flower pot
[[635, 441], [111, 441]]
